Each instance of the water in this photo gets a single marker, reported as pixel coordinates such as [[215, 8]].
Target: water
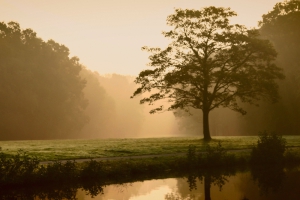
[[241, 186], [270, 183]]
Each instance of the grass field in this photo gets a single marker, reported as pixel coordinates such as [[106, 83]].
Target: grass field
[[74, 149]]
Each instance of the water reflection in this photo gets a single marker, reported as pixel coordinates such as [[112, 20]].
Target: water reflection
[[269, 178], [215, 177], [154, 189], [267, 183]]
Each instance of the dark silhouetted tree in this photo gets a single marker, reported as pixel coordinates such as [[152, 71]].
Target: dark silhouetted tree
[[40, 88], [209, 64], [281, 27]]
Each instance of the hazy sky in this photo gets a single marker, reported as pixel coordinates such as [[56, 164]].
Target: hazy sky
[[107, 35]]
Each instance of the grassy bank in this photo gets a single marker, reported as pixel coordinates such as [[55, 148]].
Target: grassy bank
[[46, 150], [23, 170]]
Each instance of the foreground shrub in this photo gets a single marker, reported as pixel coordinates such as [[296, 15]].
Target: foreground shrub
[[218, 157], [212, 157], [269, 150], [92, 170], [18, 168], [59, 172]]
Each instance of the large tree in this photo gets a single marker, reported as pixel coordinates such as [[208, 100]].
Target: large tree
[[209, 64], [40, 88]]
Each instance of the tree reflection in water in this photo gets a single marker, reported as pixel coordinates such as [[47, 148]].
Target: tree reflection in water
[[65, 193], [266, 183], [57, 192], [215, 177], [207, 177], [268, 178]]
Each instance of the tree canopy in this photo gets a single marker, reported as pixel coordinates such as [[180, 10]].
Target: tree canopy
[[40, 88], [209, 64], [281, 27]]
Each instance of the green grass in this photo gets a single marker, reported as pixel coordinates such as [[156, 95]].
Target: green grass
[[73, 149]]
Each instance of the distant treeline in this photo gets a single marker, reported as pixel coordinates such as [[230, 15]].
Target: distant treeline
[[46, 94], [40, 87]]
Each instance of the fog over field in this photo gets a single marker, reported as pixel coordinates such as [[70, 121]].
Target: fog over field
[[120, 116]]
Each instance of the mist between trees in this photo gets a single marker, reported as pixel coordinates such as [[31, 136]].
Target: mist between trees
[[45, 94]]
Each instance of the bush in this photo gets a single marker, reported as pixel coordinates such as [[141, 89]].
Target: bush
[[217, 157], [212, 157], [93, 170], [59, 172], [18, 168], [269, 150], [192, 156]]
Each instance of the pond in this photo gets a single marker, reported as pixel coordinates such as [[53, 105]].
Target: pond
[[267, 183], [241, 186]]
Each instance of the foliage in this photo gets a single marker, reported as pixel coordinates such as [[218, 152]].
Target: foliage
[[269, 150], [191, 155], [18, 168], [268, 159], [91, 175], [212, 157], [59, 172], [281, 9], [40, 86], [60, 180], [92, 170], [215, 156], [209, 64], [281, 27], [113, 172]]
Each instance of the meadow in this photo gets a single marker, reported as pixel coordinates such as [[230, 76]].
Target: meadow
[[49, 150]]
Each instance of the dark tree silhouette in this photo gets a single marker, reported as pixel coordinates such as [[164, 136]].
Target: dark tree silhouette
[[281, 27], [209, 64], [40, 88]]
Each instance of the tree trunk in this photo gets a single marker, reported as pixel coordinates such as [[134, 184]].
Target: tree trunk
[[207, 183], [206, 132]]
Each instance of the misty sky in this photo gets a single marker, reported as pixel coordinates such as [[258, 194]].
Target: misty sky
[[107, 35]]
